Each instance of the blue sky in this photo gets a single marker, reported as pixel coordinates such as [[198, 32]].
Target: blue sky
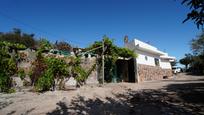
[[81, 22]]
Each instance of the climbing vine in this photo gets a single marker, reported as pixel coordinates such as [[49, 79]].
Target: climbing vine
[[111, 54]]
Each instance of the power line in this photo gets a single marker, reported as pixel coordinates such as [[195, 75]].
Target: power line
[[34, 28]]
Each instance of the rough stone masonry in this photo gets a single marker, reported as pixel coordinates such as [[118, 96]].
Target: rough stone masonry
[[147, 73]]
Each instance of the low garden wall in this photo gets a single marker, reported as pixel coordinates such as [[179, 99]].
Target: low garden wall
[[147, 73]]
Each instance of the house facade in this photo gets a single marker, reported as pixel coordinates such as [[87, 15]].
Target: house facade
[[151, 63]]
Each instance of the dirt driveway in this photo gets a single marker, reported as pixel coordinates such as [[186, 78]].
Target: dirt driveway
[[181, 95]]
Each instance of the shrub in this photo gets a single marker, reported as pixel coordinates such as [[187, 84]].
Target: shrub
[[53, 69], [11, 90], [5, 82], [21, 74], [7, 68], [39, 66], [45, 82]]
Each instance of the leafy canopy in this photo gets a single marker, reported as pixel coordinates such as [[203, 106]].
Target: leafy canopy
[[197, 45], [112, 53], [186, 60], [197, 11], [17, 37], [111, 49]]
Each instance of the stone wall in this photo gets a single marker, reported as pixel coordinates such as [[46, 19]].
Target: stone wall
[[28, 57], [147, 73], [87, 64]]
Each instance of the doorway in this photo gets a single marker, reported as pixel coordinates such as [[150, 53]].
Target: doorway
[[126, 71]]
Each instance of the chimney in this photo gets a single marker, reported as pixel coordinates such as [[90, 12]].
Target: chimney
[[126, 39]]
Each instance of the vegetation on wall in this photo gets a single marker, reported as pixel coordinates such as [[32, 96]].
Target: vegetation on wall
[[44, 45], [57, 70], [7, 69], [12, 46], [48, 72], [111, 53]]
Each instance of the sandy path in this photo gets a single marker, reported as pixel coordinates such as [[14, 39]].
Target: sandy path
[[90, 99]]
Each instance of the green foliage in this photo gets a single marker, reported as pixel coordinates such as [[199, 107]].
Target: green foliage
[[45, 82], [17, 37], [55, 69], [44, 45], [21, 74], [109, 69], [111, 50], [196, 61], [112, 53], [11, 67], [197, 45], [5, 82], [44, 70], [13, 45], [197, 11], [186, 60], [11, 90], [78, 72], [7, 68], [93, 67], [126, 53]]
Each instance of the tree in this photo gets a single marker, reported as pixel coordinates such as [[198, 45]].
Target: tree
[[197, 45], [197, 65], [186, 60], [111, 50], [16, 36], [55, 69], [197, 11], [63, 46], [44, 45]]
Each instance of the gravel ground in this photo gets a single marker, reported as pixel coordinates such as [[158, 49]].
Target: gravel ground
[[182, 94]]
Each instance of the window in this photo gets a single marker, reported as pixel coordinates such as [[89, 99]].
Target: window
[[146, 58], [156, 61]]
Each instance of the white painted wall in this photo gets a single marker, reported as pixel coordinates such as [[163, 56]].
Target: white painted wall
[[144, 45], [165, 64], [150, 58]]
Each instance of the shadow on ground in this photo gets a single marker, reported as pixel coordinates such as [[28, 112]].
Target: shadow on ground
[[175, 99], [5, 104], [172, 80]]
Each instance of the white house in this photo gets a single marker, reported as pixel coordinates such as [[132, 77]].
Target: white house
[[151, 63]]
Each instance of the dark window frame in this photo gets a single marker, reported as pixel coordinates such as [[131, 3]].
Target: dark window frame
[[156, 61], [146, 58]]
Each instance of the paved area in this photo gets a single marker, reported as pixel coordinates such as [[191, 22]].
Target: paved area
[[181, 95]]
